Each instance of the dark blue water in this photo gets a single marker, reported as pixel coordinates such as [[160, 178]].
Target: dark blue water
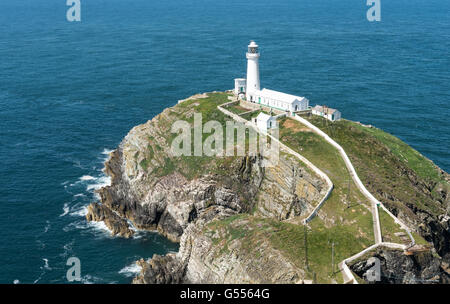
[[69, 92]]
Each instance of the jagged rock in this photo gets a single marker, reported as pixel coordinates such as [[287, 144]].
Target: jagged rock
[[117, 225], [160, 270], [199, 260], [422, 267]]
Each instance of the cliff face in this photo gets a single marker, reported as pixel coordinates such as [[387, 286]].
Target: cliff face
[[173, 201], [211, 253]]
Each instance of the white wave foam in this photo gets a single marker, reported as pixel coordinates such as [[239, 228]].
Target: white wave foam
[[66, 209], [88, 279], [46, 266], [47, 227], [99, 226], [100, 229], [131, 270], [79, 211], [107, 151], [101, 182], [16, 281], [67, 250], [86, 178], [43, 268]]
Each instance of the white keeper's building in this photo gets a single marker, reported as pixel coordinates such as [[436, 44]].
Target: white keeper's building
[[250, 87], [265, 122]]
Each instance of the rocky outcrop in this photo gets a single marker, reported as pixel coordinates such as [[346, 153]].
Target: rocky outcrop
[[421, 267], [288, 191], [161, 270], [117, 225], [202, 260]]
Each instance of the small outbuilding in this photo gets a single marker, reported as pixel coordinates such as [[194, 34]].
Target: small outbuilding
[[265, 122], [328, 113], [240, 85]]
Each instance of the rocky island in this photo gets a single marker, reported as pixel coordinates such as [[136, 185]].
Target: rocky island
[[239, 222]]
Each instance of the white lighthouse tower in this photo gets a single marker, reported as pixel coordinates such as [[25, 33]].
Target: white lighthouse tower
[[253, 84]]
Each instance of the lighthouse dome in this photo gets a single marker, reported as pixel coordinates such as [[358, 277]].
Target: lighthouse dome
[[253, 44]]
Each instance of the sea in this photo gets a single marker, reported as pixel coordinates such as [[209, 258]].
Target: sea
[[70, 92]]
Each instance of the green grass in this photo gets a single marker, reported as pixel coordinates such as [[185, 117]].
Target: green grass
[[389, 227], [250, 116], [148, 158], [419, 239], [190, 166], [237, 109], [289, 240], [387, 165], [422, 166]]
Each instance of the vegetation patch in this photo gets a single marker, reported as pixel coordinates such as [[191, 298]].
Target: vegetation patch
[[394, 172]]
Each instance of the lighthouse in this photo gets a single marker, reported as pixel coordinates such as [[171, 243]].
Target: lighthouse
[[253, 84], [248, 89]]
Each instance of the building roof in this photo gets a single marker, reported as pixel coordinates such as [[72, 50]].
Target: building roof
[[263, 117], [321, 109], [279, 96]]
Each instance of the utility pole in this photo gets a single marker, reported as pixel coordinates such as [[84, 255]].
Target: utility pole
[[306, 248], [349, 184], [332, 257]]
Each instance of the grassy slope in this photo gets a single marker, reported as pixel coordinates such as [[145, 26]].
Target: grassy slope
[[237, 109], [387, 165], [289, 239], [189, 166]]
